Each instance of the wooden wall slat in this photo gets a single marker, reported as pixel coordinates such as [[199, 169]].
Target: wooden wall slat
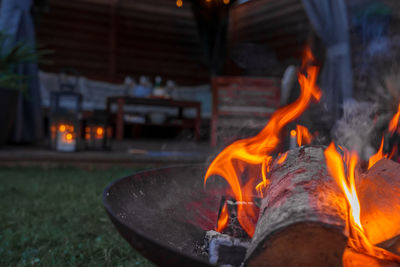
[[152, 37], [165, 48], [254, 12], [79, 6], [59, 44], [166, 8], [281, 26]]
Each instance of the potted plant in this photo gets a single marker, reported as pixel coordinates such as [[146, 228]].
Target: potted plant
[[12, 83]]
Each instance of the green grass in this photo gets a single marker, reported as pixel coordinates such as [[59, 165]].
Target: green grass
[[55, 217]]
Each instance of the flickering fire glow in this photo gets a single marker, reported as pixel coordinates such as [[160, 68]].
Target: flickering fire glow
[[257, 150]]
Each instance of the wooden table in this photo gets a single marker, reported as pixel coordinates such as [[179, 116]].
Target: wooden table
[[160, 102]]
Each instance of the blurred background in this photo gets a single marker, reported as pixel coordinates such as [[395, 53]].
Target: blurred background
[[93, 90]]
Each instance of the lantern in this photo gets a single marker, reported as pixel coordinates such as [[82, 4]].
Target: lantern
[[98, 132], [64, 135], [65, 121]]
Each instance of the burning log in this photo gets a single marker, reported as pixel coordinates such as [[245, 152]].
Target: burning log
[[302, 217], [352, 258], [379, 194]]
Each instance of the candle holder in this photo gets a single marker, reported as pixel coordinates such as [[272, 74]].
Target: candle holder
[[65, 121], [98, 131]]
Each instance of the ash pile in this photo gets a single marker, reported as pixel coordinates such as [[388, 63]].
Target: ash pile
[[229, 245]]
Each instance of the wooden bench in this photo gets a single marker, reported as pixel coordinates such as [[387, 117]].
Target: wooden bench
[[241, 106]]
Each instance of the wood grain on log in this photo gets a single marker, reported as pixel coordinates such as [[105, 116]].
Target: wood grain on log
[[303, 215]]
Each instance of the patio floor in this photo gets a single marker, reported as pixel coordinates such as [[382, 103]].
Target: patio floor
[[132, 153]]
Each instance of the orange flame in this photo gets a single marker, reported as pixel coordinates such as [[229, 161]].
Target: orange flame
[[256, 150], [223, 218], [394, 121], [376, 157], [303, 135], [357, 238], [282, 158], [393, 152]]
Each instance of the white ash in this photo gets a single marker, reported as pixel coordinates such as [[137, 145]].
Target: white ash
[[355, 129], [215, 241], [231, 202]]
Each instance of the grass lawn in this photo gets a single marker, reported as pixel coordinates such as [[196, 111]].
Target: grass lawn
[[55, 217]]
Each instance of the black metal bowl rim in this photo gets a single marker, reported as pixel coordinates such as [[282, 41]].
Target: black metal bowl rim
[[137, 231]]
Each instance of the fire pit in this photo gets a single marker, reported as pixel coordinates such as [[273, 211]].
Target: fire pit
[[164, 213], [297, 208]]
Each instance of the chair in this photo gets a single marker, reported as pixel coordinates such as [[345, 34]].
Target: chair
[[241, 106]]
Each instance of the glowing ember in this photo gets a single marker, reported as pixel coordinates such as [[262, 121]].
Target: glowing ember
[[303, 135], [255, 151]]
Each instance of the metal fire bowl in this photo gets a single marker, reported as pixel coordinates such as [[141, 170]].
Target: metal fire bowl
[[164, 213]]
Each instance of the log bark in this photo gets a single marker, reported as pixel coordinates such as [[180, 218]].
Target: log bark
[[352, 258], [303, 215]]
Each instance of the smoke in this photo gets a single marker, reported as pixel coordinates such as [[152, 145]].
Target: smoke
[[355, 130]]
